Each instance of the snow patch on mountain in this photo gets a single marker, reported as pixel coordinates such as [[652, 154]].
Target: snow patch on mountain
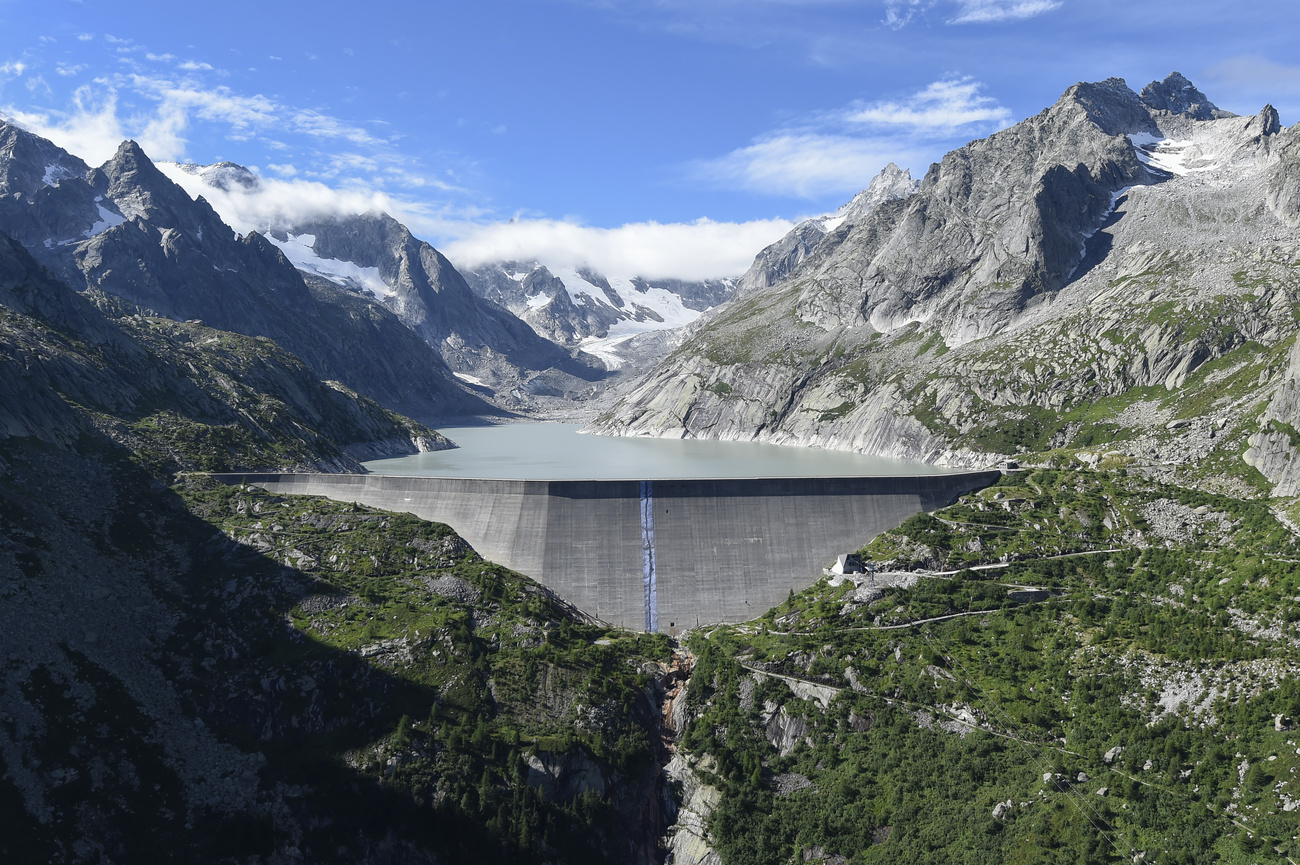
[[299, 249], [1162, 154], [606, 348], [107, 219], [662, 302], [56, 172], [581, 291]]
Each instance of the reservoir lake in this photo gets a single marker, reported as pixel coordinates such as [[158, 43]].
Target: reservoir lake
[[556, 451]]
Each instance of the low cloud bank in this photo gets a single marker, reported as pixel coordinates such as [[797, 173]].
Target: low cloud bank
[[703, 249], [698, 250], [838, 152], [268, 203]]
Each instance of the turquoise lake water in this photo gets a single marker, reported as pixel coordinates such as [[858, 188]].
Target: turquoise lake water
[[556, 451]]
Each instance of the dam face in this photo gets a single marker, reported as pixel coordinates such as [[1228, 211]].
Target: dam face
[[660, 555]]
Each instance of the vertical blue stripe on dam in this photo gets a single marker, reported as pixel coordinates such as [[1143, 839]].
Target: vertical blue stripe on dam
[[648, 556]]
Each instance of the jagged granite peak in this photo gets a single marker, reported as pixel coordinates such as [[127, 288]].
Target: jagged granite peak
[[892, 182], [28, 162], [1109, 105], [1037, 189], [139, 190], [776, 261], [1266, 122], [1177, 95]]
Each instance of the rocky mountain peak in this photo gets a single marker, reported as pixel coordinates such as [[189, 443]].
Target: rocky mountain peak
[[1177, 95], [892, 182], [136, 185], [130, 163], [225, 176], [29, 162], [139, 188], [1266, 122], [1109, 104]]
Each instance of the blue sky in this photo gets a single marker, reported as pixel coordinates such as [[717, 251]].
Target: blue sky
[[670, 135]]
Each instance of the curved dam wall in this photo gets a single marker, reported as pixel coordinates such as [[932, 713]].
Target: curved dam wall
[[659, 555]]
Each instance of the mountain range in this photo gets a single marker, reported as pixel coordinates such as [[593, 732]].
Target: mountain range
[[1117, 272]]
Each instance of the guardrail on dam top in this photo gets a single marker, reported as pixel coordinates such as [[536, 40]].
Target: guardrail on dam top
[[660, 555]]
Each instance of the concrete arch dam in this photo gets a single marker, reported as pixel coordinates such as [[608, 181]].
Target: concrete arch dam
[[654, 555]]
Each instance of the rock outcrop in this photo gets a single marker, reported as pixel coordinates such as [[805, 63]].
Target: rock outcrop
[[1275, 448], [777, 261]]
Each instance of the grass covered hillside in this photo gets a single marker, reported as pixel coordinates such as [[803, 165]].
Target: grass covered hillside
[[1068, 666]]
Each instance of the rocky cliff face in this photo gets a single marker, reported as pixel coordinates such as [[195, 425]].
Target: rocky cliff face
[[608, 316], [777, 261], [183, 395], [1037, 287], [126, 230]]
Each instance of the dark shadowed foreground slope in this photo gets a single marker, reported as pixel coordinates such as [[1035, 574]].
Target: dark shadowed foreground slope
[[191, 672]]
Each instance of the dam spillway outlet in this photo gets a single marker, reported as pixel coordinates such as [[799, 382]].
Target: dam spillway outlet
[[656, 555]]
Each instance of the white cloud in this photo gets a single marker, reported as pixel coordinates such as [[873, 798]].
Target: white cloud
[[982, 11], [698, 250], [92, 131], [68, 70], [95, 124], [84, 37], [160, 58], [275, 203], [941, 106], [838, 152], [324, 126], [803, 165], [13, 67], [899, 13], [194, 66], [703, 249], [162, 135]]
